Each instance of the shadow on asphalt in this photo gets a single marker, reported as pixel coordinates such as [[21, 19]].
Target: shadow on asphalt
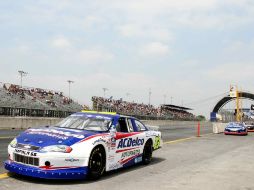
[[106, 176]]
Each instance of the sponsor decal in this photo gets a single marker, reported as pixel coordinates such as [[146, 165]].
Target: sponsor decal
[[113, 143], [130, 153], [99, 117], [99, 140], [114, 166], [157, 142], [151, 133], [26, 153], [54, 133], [130, 142], [111, 158], [102, 117], [71, 160], [138, 159], [113, 139], [27, 146], [13, 142]]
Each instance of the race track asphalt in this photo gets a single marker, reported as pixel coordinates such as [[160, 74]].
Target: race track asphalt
[[168, 134], [212, 161]]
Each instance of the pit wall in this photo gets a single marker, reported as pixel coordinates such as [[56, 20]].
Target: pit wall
[[219, 127], [27, 122], [168, 123]]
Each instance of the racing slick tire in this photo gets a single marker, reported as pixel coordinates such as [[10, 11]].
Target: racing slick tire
[[97, 163], [147, 152]]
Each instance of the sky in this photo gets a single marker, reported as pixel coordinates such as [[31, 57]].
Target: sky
[[186, 52]]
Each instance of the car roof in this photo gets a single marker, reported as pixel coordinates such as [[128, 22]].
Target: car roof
[[108, 114]]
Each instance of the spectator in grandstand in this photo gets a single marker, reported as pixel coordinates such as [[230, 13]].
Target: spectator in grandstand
[[132, 108]]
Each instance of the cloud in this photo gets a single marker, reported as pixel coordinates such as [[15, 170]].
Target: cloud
[[91, 21], [140, 31], [199, 14], [61, 42], [232, 72], [157, 6], [239, 47], [82, 40], [155, 49], [90, 56], [24, 49]]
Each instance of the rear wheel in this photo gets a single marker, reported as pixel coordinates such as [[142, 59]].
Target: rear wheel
[[97, 162], [147, 152]]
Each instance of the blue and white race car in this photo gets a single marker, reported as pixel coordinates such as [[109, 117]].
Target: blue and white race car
[[85, 144], [236, 128]]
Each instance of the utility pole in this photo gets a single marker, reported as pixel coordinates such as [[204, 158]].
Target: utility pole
[[104, 91], [70, 81], [150, 93], [22, 74]]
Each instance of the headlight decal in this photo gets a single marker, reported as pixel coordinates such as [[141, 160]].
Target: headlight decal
[[57, 148], [13, 143]]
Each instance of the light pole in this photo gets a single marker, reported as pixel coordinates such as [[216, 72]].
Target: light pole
[[127, 95], [70, 81], [150, 93], [104, 91], [22, 74], [164, 96]]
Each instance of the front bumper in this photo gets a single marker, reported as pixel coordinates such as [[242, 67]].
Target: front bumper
[[235, 132], [250, 129], [63, 173]]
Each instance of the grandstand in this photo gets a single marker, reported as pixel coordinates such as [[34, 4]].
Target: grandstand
[[176, 112], [27, 101], [142, 111], [37, 102]]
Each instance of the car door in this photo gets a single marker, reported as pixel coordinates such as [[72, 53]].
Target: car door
[[129, 142], [123, 131]]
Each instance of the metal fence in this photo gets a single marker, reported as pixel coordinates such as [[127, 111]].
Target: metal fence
[[12, 112]]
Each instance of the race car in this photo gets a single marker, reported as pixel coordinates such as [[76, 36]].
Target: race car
[[84, 145], [236, 128], [250, 127]]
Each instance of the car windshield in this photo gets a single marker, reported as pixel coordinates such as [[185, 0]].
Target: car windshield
[[236, 125], [85, 123]]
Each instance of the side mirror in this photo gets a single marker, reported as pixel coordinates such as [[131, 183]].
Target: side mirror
[[112, 130]]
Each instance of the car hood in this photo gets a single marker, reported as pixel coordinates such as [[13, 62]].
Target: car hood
[[235, 127], [46, 136]]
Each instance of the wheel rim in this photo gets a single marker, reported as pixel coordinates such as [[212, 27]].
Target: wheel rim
[[148, 152], [96, 164]]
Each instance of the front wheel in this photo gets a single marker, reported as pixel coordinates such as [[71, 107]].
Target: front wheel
[[147, 152], [97, 162]]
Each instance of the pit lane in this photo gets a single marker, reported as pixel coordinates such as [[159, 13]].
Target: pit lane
[[185, 162]]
